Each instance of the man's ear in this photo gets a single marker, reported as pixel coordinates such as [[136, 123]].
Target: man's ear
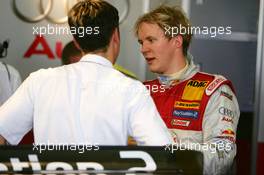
[[115, 39], [177, 41], [116, 35]]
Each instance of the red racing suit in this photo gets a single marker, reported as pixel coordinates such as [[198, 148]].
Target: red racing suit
[[201, 111]]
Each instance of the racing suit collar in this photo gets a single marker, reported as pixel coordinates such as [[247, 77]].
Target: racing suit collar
[[185, 73]]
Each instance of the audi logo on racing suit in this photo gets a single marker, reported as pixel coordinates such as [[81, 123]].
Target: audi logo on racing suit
[[227, 112]]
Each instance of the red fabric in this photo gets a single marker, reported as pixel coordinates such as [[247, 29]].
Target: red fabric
[[260, 168], [27, 139], [243, 157], [165, 102]]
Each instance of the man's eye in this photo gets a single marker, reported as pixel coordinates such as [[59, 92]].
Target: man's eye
[[151, 40]]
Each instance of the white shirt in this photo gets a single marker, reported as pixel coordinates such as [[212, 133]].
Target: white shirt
[[9, 81], [86, 102]]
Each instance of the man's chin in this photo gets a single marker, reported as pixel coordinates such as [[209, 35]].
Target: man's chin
[[154, 69]]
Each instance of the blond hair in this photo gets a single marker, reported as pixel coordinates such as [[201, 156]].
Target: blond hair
[[164, 17]]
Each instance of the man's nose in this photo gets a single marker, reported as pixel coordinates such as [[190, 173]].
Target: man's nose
[[144, 48]]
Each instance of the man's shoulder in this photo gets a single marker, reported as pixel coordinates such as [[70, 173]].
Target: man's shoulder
[[215, 82], [205, 75], [46, 75], [47, 72], [129, 85], [122, 78], [210, 75]]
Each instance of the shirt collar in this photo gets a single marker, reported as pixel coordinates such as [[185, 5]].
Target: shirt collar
[[188, 71], [93, 58]]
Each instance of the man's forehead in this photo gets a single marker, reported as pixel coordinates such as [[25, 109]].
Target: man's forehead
[[149, 30]]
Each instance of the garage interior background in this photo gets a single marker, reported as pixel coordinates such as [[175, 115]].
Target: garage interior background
[[238, 56]]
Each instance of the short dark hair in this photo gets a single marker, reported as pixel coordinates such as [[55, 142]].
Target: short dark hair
[[93, 14]]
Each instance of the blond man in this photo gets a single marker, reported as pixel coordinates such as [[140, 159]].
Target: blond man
[[199, 109]]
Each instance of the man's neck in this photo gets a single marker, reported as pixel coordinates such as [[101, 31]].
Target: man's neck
[[179, 73], [177, 64], [106, 55]]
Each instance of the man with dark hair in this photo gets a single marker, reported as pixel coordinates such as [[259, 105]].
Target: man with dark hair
[[89, 101], [200, 109], [70, 54]]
